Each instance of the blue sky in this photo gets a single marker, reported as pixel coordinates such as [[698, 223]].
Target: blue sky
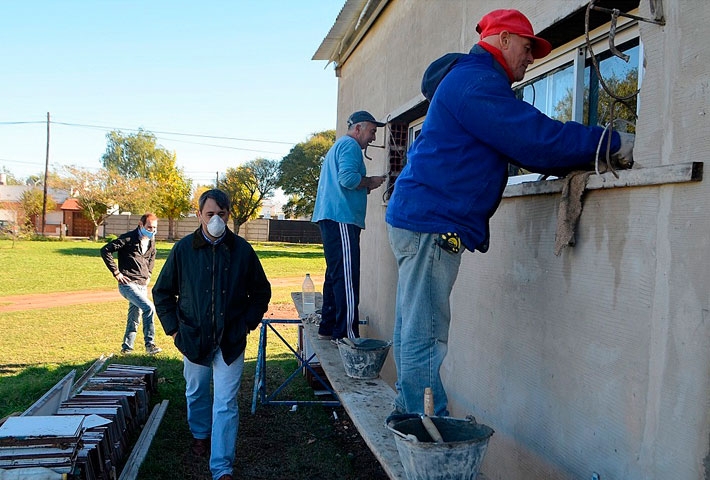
[[227, 68]]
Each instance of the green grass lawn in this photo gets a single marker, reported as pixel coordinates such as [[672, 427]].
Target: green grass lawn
[[39, 347], [52, 266]]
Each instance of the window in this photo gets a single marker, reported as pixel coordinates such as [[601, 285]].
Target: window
[[567, 87], [415, 128], [400, 139], [553, 93]]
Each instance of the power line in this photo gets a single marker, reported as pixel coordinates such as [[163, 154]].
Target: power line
[[182, 134], [223, 146]]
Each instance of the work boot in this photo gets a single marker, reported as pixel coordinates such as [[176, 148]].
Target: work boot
[[152, 349], [200, 446]]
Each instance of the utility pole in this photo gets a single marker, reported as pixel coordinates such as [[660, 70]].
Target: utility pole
[[216, 182], [46, 175]]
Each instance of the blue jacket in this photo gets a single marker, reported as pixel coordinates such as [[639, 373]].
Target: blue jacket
[[211, 295], [457, 168], [338, 197]]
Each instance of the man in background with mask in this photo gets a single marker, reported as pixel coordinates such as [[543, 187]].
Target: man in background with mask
[[136, 257], [211, 292]]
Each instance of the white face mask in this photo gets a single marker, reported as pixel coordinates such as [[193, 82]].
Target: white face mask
[[216, 226]]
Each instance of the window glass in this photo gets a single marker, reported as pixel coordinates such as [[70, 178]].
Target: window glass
[[551, 93], [621, 78], [415, 128]]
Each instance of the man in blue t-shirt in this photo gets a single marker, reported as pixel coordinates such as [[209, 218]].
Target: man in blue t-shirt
[[341, 203]]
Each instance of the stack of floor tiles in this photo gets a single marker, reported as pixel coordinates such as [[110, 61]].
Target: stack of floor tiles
[[113, 406], [46, 442]]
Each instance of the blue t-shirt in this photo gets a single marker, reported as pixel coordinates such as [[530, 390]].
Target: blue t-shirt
[[338, 197]]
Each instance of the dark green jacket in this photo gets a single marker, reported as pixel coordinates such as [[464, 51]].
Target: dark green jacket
[[212, 296]]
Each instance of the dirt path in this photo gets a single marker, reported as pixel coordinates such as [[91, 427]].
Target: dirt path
[[15, 303]]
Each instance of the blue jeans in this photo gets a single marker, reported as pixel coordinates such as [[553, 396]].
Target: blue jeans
[[218, 417], [138, 302], [422, 317]]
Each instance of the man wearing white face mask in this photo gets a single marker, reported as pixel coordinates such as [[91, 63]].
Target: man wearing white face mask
[[136, 257], [211, 292]]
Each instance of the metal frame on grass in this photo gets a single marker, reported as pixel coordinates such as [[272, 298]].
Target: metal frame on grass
[[260, 374]]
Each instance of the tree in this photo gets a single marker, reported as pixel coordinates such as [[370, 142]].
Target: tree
[[99, 193], [300, 171], [131, 156], [171, 191], [247, 187], [165, 189], [32, 202], [199, 190], [622, 87]]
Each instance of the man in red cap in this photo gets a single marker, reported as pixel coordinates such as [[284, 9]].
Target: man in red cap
[[456, 173]]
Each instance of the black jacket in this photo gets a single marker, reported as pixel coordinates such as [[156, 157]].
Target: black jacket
[[211, 295], [133, 264]]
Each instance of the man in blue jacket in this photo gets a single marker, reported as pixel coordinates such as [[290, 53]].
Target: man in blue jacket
[[454, 180], [341, 203], [211, 292]]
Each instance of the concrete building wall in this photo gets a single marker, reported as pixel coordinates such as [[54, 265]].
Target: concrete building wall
[[596, 360]]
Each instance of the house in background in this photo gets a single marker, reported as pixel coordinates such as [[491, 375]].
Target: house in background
[[272, 208], [597, 361], [77, 225], [11, 208]]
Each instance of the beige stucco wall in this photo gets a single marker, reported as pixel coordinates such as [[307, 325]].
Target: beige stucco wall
[[596, 360]]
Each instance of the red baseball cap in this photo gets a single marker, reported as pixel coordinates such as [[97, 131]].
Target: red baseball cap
[[515, 22]]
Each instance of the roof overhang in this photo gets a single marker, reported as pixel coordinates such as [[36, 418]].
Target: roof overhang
[[354, 20]]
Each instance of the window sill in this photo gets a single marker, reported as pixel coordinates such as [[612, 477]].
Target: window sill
[[641, 177]]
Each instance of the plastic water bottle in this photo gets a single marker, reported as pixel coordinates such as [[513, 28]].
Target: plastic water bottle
[[308, 293]]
